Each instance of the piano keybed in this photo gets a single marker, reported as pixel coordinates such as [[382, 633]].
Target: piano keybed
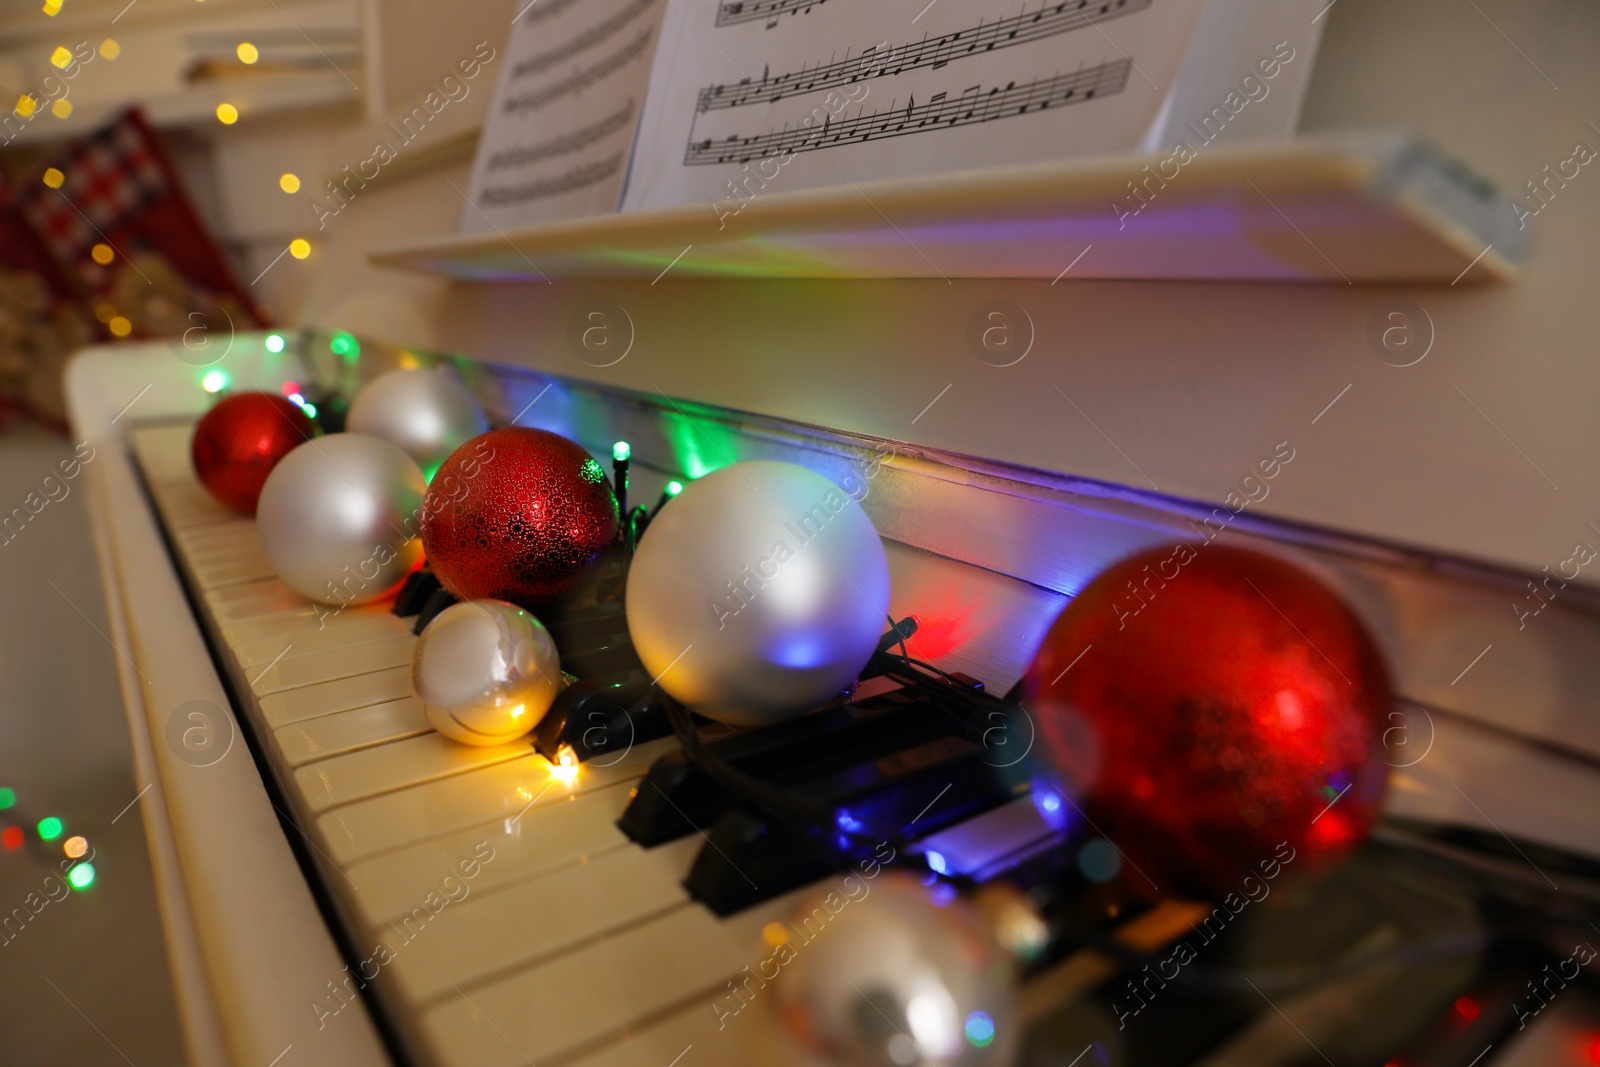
[[508, 908]]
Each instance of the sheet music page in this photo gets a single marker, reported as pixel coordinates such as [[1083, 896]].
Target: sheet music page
[[753, 96], [557, 138]]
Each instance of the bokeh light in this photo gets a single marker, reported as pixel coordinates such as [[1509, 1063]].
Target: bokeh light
[[299, 248], [49, 828], [274, 342], [12, 837], [289, 183], [110, 49], [75, 846], [61, 108], [8, 797], [53, 177], [81, 876], [61, 58], [121, 326], [227, 114], [102, 254], [215, 381], [248, 53]]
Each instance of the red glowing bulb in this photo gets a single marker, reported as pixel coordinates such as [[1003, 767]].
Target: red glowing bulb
[[1467, 1008], [12, 837]]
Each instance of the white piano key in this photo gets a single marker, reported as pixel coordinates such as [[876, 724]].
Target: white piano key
[[343, 694], [230, 572], [345, 630], [535, 839], [369, 772], [470, 940], [309, 618], [346, 731], [370, 827], [696, 1035], [253, 600], [326, 665], [597, 992]]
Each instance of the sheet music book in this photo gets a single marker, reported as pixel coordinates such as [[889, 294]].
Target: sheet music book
[[762, 95], [559, 132], [747, 97]]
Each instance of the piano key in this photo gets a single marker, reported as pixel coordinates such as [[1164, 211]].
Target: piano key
[[467, 941], [342, 694], [692, 1036], [369, 772], [294, 672], [540, 836], [596, 992], [253, 600], [346, 731], [308, 619], [387, 822], [346, 630]]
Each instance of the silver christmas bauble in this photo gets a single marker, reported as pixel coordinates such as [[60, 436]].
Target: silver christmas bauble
[[339, 518], [758, 593], [428, 413], [486, 672], [876, 972]]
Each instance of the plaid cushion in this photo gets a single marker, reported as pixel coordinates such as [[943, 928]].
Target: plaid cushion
[[108, 177]]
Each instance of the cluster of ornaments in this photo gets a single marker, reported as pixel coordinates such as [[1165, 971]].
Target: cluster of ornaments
[[1237, 711]]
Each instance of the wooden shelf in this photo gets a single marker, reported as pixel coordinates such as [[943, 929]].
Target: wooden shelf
[[1346, 209]]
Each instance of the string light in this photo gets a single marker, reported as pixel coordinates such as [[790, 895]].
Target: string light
[[53, 177], [110, 49], [75, 847], [248, 53], [121, 326], [289, 183], [61, 108], [81, 876], [565, 768], [51, 8], [61, 58], [215, 381], [26, 105], [8, 797], [344, 344], [12, 837], [49, 828], [102, 254], [299, 248], [274, 342], [227, 114]]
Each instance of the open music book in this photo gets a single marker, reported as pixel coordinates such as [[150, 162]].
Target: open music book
[[641, 104]]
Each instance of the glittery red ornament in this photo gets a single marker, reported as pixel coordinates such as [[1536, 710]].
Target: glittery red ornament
[[238, 442], [1221, 710], [517, 514]]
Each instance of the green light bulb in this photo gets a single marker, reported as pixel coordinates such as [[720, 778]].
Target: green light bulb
[[49, 829], [81, 876], [215, 381], [274, 342], [674, 487], [8, 797], [621, 451]]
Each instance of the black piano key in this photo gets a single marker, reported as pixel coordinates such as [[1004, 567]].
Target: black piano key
[[678, 797], [437, 601], [749, 859], [418, 587]]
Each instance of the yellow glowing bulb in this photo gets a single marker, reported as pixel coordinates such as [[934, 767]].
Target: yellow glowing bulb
[[299, 248], [110, 49], [248, 53], [227, 114], [289, 183], [75, 847], [53, 178], [517, 712], [565, 768], [105, 312], [61, 58], [102, 254], [61, 108], [52, 8], [120, 326], [774, 934], [26, 105]]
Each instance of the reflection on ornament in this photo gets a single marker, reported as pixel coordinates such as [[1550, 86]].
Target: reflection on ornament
[[486, 672], [428, 413], [761, 592], [338, 518], [1239, 708], [239, 441], [517, 514], [874, 972]]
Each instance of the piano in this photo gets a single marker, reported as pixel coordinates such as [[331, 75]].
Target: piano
[[341, 885]]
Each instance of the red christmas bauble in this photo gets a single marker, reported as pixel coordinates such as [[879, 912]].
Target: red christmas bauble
[[517, 514], [1221, 710], [238, 442]]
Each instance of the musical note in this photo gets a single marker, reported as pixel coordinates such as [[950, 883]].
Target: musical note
[[532, 101], [973, 106], [731, 14], [568, 142], [576, 178], [1062, 16], [581, 43]]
